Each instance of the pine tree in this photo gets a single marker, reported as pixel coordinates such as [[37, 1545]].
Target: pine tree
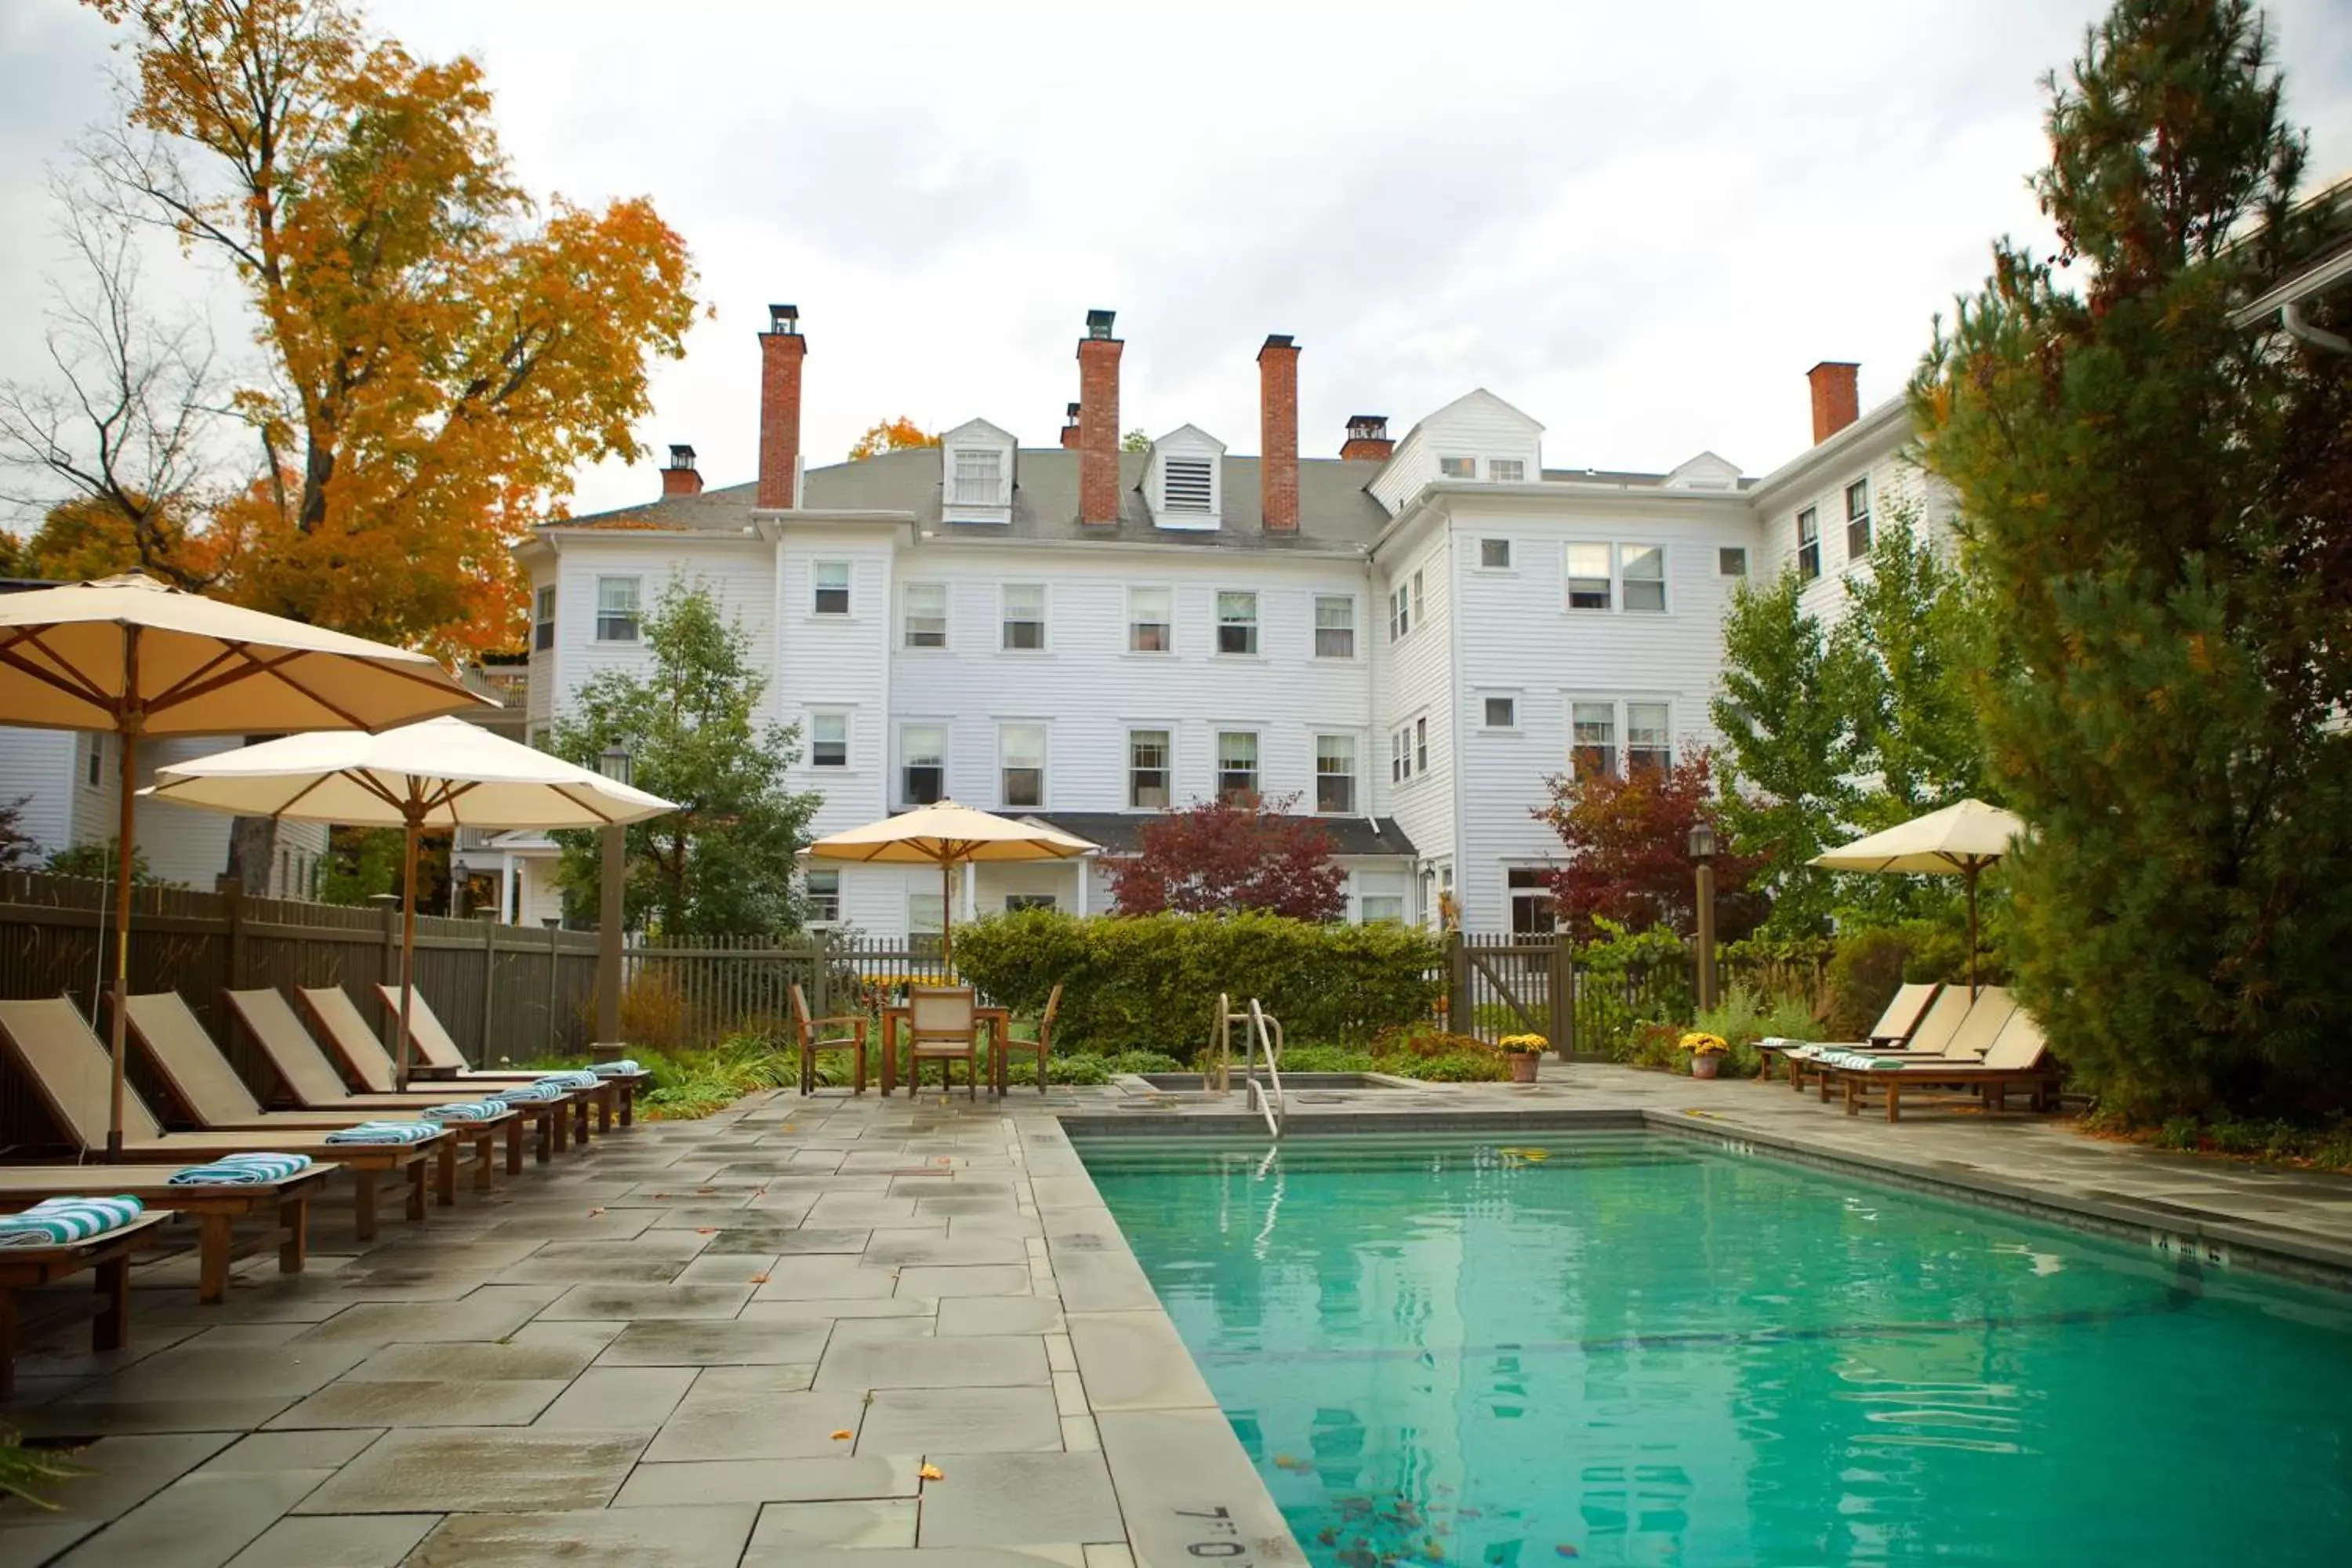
[[2153, 497]]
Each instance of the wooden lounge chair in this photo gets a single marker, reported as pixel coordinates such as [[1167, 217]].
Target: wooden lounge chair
[[311, 1080], [1043, 1044], [68, 1069], [2018, 1058], [30, 1267], [943, 1026], [814, 1041], [1933, 1037], [207, 1090], [363, 1057], [284, 1199], [434, 1054], [1894, 1029]]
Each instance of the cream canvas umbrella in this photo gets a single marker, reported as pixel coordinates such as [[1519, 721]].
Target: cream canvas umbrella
[[948, 836], [442, 774], [1960, 839], [130, 657]]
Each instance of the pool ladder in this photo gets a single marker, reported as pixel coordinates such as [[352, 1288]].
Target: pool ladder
[[1262, 1031]]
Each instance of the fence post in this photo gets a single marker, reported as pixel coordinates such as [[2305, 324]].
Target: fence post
[[820, 974], [555, 1035], [387, 965], [1459, 1016], [1559, 1019], [231, 894], [490, 982]]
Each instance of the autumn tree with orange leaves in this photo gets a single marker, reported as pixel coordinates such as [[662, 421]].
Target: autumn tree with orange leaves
[[900, 434], [442, 351]]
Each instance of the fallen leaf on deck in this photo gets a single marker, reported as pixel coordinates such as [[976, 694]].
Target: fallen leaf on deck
[[705, 1230], [758, 1280], [843, 1436], [932, 1473], [593, 1213]]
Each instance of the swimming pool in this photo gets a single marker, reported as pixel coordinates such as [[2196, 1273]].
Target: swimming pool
[[1631, 1348]]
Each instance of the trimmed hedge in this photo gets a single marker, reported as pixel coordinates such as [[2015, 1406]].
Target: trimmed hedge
[[1150, 981]]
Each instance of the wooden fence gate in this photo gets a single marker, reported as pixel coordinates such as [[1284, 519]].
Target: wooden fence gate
[[1507, 984]]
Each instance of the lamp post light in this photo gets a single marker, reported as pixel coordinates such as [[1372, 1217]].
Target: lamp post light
[[1702, 854], [614, 763]]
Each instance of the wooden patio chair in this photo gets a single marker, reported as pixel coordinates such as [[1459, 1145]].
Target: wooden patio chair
[[942, 1026], [1043, 1044], [814, 1041]]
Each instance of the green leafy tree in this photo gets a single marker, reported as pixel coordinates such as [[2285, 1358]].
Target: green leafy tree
[[2156, 498], [724, 864], [95, 861], [1135, 440], [16, 845], [361, 863]]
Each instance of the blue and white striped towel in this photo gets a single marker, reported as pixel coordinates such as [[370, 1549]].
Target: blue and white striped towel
[[532, 1093], [625, 1067], [571, 1079], [466, 1111], [61, 1222], [385, 1133], [240, 1171]]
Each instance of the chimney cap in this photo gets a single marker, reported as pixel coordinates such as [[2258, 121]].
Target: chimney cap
[[1072, 412], [1277, 340], [681, 456], [784, 319], [1098, 323], [1836, 364], [1368, 427]]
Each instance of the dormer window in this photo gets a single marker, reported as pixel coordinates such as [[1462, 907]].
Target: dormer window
[[976, 476], [1184, 482], [979, 477]]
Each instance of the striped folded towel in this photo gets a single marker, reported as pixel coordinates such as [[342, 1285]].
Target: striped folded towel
[[537, 1093], [575, 1079], [240, 1171], [625, 1067], [385, 1133], [61, 1222], [466, 1111], [1780, 1043]]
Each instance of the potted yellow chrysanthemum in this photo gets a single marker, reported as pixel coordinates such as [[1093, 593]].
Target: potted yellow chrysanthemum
[[1707, 1053], [1525, 1051]]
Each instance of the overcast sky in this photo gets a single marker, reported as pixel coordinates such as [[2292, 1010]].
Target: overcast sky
[[1640, 223]]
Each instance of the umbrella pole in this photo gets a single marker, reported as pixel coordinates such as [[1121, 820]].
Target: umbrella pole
[[407, 948], [1972, 933], [947, 919], [124, 843]]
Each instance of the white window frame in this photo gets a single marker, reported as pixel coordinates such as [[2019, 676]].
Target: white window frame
[[1403, 613], [1859, 516], [1570, 577], [1167, 769], [819, 589], [93, 776], [1614, 765], [1809, 544], [1348, 600], [907, 591], [1486, 714], [1514, 895], [1252, 626], [1665, 728], [1365, 917], [1004, 731], [1625, 582], [1401, 769], [967, 492], [1517, 476], [1354, 775], [1256, 763], [542, 619], [898, 782], [819, 716], [1456, 466], [1487, 546], [635, 615], [1420, 742], [1005, 621], [923, 897], [1166, 621], [811, 897], [1724, 554]]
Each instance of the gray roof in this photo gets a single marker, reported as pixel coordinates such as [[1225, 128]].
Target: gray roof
[[1119, 831], [1333, 506]]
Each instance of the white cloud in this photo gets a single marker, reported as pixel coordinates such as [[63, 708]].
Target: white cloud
[[1641, 224]]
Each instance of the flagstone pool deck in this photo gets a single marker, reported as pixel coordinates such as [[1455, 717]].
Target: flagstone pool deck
[[752, 1340]]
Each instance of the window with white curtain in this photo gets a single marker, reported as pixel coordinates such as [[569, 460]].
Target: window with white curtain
[[1335, 774], [926, 614]]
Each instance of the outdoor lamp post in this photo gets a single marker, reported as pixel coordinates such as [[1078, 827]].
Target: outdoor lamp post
[[614, 763], [1702, 854]]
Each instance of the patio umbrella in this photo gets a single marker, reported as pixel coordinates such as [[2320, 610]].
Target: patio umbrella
[[444, 772], [132, 658], [1962, 839], [948, 836]]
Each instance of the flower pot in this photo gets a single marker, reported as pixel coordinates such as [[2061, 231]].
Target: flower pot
[[1705, 1066], [1523, 1067]]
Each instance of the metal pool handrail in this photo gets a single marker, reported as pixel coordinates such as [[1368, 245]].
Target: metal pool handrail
[[1271, 1106]]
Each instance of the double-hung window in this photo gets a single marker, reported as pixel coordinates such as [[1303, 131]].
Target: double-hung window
[[1151, 620], [979, 477], [543, 631], [1147, 770], [1335, 625], [1857, 519], [1236, 622], [94, 774], [832, 580], [1335, 774], [923, 764], [927, 915], [1649, 748], [1401, 755], [1022, 754], [617, 609], [1592, 728], [1533, 905], [1808, 545], [926, 614], [1421, 745], [1400, 610], [1589, 586], [1237, 766], [824, 898], [1024, 615], [1644, 569], [828, 740]]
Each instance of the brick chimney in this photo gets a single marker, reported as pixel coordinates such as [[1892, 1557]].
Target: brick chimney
[[1070, 428], [680, 478], [1836, 403], [1368, 439], [1099, 487], [782, 348], [1277, 434]]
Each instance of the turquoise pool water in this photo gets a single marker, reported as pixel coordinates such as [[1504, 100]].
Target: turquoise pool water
[[1636, 1349]]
